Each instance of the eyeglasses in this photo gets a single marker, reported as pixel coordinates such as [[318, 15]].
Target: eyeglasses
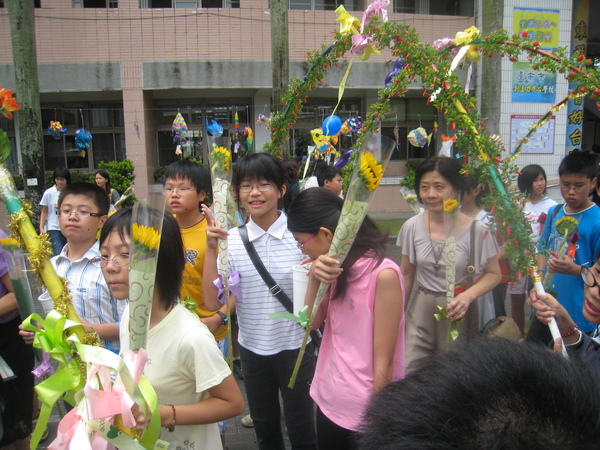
[[588, 277], [301, 245], [118, 261], [245, 188], [569, 187], [78, 214], [178, 191]]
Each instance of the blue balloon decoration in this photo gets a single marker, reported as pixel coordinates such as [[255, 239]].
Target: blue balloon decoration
[[331, 125], [398, 65]]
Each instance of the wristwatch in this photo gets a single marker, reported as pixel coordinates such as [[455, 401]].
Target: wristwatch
[[224, 320]]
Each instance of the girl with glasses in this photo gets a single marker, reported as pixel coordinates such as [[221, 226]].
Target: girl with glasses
[[268, 347], [193, 383], [363, 340]]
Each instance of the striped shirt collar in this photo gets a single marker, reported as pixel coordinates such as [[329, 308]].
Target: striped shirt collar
[[277, 229], [93, 251]]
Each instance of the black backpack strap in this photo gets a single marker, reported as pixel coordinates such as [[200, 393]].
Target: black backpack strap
[[274, 288]]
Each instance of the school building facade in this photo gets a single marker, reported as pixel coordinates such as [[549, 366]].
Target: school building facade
[[123, 69]]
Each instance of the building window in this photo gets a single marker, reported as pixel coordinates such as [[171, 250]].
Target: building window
[[435, 7], [111, 4], [195, 116], [103, 120], [327, 5], [36, 3], [405, 6], [192, 4]]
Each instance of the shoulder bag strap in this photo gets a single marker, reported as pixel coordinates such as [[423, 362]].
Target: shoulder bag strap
[[471, 266], [274, 288]]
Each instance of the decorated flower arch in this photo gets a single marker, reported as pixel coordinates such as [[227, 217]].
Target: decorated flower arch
[[435, 66]]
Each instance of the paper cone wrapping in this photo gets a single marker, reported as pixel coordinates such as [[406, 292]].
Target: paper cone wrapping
[[146, 228]]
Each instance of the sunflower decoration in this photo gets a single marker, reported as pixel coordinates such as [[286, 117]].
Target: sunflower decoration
[[450, 206], [566, 226], [411, 198], [370, 171], [220, 162], [10, 244], [146, 238]]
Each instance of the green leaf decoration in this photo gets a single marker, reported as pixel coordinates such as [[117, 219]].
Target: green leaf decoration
[[5, 147]]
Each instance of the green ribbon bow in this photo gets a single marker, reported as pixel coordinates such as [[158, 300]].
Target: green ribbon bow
[[301, 318], [443, 315], [50, 336]]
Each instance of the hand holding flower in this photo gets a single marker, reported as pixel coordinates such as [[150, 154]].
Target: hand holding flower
[[326, 269], [213, 232], [458, 307], [564, 265]]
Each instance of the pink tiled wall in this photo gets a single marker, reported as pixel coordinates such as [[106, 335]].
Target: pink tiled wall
[[67, 34]]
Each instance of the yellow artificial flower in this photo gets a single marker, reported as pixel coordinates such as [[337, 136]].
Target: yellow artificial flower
[[10, 244], [464, 37], [473, 54], [370, 171], [566, 225], [147, 236], [348, 23], [450, 205], [220, 157], [411, 198]]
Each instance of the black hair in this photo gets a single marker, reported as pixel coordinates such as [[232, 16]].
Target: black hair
[[62, 172], [171, 258], [197, 174], [579, 162], [527, 176], [258, 166], [92, 191], [317, 166], [291, 167], [104, 174], [449, 168], [471, 181], [488, 393], [319, 207], [327, 173]]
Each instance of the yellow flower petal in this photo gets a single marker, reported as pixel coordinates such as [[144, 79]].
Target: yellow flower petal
[[463, 37], [146, 236], [348, 23]]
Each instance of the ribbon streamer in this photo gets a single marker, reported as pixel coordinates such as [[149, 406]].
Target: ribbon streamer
[[233, 283]]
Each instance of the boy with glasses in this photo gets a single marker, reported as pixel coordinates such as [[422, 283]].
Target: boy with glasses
[[82, 210], [577, 173]]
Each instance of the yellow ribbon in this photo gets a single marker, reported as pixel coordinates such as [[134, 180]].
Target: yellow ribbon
[[472, 128], [466, 36], [348, 23]]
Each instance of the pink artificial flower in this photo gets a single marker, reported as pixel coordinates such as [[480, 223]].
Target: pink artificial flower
[[441, 44], [377, 8]]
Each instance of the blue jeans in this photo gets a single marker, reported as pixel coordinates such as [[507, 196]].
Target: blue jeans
[[264, 378], [57, 240]]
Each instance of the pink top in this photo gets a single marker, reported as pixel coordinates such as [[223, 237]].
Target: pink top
[[343, 380]]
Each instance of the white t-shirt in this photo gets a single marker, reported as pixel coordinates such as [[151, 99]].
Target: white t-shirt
[[533, 211], [183, 363], [50, 199], [277, 250]]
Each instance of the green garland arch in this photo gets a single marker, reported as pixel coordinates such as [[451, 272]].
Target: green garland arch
[[432, 67]]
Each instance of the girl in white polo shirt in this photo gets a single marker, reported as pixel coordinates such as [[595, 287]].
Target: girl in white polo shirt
[[268, 347]]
